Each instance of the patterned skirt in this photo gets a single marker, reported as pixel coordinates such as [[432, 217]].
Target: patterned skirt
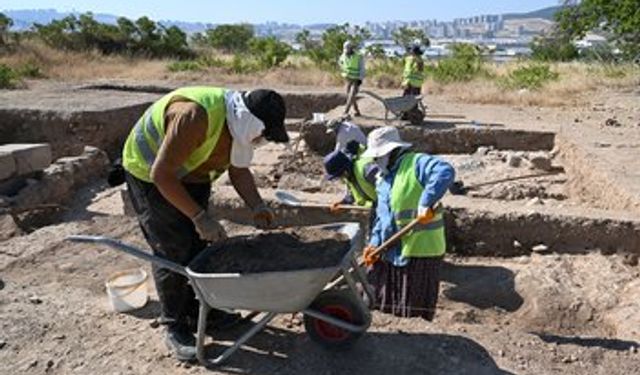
[[409, 291]]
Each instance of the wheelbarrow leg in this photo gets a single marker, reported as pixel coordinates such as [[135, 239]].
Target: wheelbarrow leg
[[202, 326]]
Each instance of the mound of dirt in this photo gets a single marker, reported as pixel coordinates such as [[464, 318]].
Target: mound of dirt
[[286, 250]]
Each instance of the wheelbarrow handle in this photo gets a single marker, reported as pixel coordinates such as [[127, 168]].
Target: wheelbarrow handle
[[131, 250]]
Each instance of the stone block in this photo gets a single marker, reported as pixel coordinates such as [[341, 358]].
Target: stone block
[[7, 165], [28, 157]]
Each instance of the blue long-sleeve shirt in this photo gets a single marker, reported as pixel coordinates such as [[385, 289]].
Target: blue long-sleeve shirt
[[434, 174]]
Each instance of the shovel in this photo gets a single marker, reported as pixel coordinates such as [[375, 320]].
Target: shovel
[[396, 237], [291, 200], [384, 247]]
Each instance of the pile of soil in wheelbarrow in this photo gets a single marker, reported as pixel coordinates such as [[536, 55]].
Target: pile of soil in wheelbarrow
[[285, 250]]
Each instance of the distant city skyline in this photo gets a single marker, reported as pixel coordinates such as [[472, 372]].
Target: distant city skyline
[[287, 11]]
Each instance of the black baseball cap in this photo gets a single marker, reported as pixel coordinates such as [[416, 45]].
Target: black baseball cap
[[269, 107]]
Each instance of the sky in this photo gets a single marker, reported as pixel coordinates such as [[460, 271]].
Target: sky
[[290, 11]]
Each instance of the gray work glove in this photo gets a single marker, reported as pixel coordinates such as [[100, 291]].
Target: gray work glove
[[263, 217], [208, 228]]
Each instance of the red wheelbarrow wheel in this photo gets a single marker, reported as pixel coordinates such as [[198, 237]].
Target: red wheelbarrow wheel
[[341, 304]]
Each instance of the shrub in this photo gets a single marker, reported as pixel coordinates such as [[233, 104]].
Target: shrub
[[8, 77], [464, 64], [185, 66], [531, 77], [29, 70], [553, 49], [270, 52]]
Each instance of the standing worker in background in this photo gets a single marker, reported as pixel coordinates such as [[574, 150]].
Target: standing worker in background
[[413, 73], [407, 277], [352, 70], [182, 143]]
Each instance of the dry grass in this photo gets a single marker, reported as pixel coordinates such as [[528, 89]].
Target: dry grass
[[78, 66], [576, 81]]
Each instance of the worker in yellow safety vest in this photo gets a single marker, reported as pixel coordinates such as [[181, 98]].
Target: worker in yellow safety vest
[[413, 73], [406, 278], [352, 70], [183, 142]]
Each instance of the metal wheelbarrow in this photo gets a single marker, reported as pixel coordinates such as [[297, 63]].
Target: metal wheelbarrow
[[400, 106], [335, 315]]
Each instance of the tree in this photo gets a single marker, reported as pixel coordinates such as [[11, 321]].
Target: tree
[[5, 24], [405, 36], [230, 38], [325, 52], [620, 19]]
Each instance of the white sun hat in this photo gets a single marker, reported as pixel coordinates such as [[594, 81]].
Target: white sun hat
[[382, 141]]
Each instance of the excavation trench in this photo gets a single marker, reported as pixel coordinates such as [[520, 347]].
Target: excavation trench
[[523, 239]]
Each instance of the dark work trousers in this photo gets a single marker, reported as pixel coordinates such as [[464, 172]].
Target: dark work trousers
[[172, 236], [410, 91]]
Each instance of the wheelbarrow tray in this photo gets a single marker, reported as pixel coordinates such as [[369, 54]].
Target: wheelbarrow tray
[[398, 105], [279, 292]]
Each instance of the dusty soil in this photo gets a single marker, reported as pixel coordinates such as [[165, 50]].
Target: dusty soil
[[549, 312], [532, 315], [275, 251]]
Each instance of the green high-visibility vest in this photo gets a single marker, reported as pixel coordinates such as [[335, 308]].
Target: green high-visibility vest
[[350, 66], [425, 240], [363, 192], [142, 145], [412, 76]]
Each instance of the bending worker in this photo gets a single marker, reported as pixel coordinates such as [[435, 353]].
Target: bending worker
[[406, 280], [358, 173], [182, 143], [352, 70]]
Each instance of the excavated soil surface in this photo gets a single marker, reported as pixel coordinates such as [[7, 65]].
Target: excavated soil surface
[[291, 249]]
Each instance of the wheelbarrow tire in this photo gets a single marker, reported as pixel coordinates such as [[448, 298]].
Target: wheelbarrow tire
[[342, 304]]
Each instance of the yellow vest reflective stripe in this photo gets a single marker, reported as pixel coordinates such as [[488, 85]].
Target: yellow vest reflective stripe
[[350, 66], [411, 75], [142, 145], [425, 240]]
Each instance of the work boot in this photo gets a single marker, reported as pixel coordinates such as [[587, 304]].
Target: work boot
[[181, 342]]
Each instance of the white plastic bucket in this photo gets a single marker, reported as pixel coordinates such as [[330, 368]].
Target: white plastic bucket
[[127, 290]]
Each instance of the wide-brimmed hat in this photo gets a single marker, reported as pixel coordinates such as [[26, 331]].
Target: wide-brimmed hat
[[382, 141]]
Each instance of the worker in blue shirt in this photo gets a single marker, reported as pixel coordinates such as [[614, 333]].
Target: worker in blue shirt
[[406, 280]]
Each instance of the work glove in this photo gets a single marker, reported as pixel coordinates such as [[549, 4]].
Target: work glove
[[369, 256], [425, 215], [263, 217], [208, 228], [335, 208]]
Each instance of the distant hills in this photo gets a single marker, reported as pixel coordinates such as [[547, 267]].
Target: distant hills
[[24, 19], [544, 13]]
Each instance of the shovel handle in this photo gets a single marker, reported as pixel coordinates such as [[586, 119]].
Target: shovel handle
[[328, 206], [399, 234]]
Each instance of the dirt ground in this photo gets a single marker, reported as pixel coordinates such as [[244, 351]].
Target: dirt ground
[[547, 313]]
